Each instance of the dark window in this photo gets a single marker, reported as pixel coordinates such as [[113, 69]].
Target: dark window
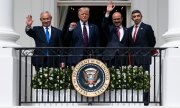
[[96, 15]]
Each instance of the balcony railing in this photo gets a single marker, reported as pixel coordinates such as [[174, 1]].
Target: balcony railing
[[42, 79]]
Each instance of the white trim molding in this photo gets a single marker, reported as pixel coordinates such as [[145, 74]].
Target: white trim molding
[[91, 3]]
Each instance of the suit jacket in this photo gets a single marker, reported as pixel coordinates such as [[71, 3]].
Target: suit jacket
[[75, 39], [144, 38], [113, 41], [39, 36]]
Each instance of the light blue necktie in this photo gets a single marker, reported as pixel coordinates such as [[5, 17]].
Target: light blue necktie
[[47, 38], [47, 34]]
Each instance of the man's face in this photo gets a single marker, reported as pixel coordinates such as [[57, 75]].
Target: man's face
[[46, 19], [117, 19], [136, 17], [83, 15]]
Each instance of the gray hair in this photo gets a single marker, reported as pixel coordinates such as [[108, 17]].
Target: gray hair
[[44, 13]]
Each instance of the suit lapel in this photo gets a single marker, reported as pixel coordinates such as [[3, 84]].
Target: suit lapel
[[43, 35], [115, 32], [130, 36], [79, 29], [90, 32], [139, 32], [52, 34]]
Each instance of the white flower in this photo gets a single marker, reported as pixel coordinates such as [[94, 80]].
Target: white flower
[[40, 76], [118, 71], [146, 72], [46, 86], [57, 77], [50, 78], [129, 66], [61, 81], [45, 74], [40, 69], [39, 80], [45, 69], [135, 67], [56, 69]]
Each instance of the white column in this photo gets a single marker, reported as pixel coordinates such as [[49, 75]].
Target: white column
[[8, 37], [8, 60], [171, 64], [173, 33]]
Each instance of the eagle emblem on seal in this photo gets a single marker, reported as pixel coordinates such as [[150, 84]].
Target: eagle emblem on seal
[[91, 77]]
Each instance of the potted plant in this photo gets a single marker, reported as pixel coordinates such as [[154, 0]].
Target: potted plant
[[125, 77]]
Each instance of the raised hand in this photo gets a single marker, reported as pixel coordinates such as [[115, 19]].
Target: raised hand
[[110, 6], [73, 25], [29, 21]]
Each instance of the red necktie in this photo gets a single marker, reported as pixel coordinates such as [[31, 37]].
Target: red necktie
[[85, 35], [135, 32], [134, 39], [118, 33]]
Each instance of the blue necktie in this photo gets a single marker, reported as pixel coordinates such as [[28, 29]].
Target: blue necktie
[[47, 34], [47, 38]]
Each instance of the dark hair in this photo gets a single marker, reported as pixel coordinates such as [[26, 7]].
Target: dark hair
[[136, 11]]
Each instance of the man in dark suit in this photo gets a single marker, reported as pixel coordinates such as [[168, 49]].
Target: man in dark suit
[[117, 37], [81, 34], [44, 36], [141, 35]]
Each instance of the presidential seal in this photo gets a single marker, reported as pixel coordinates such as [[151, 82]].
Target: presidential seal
[[90, 77]]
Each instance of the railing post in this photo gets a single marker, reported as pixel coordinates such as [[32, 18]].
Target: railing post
[[20, 77]]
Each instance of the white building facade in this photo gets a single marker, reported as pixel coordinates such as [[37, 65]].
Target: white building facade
[[161, 14]]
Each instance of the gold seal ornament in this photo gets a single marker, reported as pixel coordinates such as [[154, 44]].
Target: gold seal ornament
[[90, 77]]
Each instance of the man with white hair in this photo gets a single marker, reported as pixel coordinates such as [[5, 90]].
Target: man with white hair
[[44, 36]]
